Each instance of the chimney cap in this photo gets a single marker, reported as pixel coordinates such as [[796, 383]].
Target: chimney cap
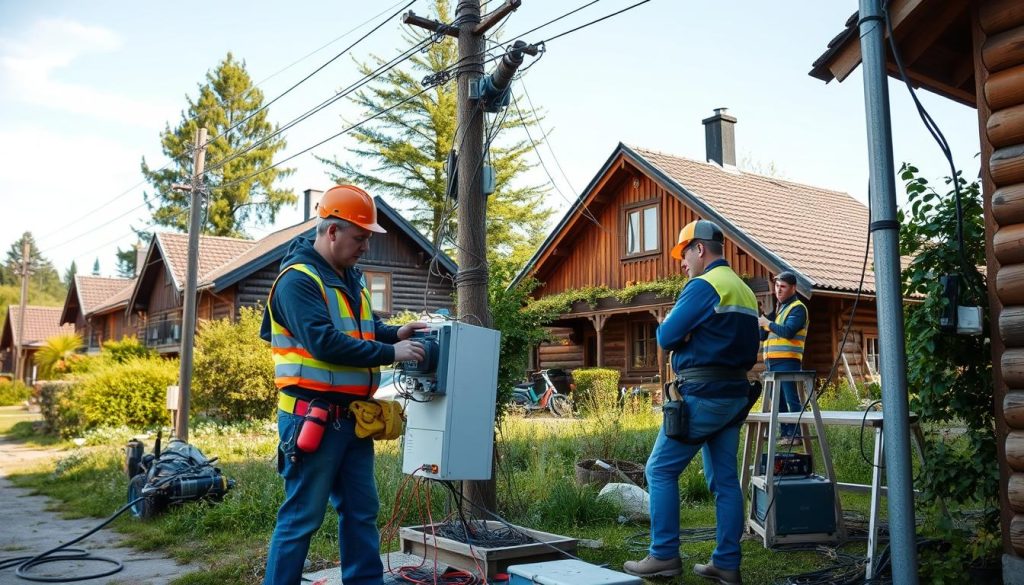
[[720, 114]]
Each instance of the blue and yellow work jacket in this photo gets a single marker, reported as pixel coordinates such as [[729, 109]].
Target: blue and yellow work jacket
[[327, 343], [713, 324], [787, 333]]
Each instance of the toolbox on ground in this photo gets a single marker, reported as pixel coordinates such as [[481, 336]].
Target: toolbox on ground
[[568, 572]]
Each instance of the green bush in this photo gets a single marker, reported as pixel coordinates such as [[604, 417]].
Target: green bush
[[59, 407], [125, 349], [233, 377], [12, 393], [596, 388], [133, 393]]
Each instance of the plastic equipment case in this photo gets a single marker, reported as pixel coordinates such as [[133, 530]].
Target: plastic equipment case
[[568, 572], [803, 505]]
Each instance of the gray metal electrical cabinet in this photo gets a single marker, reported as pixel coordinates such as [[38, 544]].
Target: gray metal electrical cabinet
[[449, 433]]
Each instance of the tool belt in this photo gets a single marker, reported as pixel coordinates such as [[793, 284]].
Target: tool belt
[[381, 420], [675, 416], [300, 407]]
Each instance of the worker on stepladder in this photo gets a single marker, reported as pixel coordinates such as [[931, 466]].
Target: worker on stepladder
[[713, 334], [784, 332], [328, 347]]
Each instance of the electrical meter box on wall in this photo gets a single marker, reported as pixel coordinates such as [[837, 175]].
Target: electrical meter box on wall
[[449, 431]]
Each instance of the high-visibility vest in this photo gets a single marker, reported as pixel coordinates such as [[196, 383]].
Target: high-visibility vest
[[295, 366], [734, 296], [776, 347]]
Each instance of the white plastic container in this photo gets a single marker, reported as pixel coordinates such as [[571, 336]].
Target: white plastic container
[[568, 572]]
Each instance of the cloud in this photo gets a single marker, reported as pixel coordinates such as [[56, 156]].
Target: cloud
[[30, 68]]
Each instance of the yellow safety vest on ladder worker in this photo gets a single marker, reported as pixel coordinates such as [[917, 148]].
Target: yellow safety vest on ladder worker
[[776, 347], [295, 366]]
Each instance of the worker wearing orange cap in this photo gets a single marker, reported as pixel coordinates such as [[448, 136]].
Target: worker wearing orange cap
[[712, 333], [328, 347]]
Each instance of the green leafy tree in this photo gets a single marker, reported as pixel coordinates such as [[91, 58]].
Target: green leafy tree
[[237, 195], [407, 148], [950, 375], [126, 260]]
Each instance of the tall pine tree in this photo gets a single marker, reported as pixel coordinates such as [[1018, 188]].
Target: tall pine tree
[[407, 148], [43, 277], [227, 98]]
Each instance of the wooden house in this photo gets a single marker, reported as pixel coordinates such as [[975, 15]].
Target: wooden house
[[972, 51], [40, 324], [623, 225], [403, 272], [95, 306]]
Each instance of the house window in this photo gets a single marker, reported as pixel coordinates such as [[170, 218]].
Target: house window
[[871, 353], [642, 235], [643, 346], [379, 285]]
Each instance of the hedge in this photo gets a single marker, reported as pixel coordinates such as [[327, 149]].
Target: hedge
[[12, 392], [233, 377], [595, 387]]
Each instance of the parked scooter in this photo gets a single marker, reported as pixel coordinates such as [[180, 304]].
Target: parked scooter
[[549, 390]]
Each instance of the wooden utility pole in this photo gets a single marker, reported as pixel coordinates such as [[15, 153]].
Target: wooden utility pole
[[19, 361], [472, 277], [188, 321]]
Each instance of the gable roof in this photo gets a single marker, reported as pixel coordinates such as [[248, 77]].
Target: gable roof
[[172, 250], [274, 246], [781, 223], [41, 323], [87, 294]]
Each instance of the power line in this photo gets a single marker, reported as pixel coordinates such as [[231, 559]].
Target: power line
[[547, 140], [595, 21], [250, 116]]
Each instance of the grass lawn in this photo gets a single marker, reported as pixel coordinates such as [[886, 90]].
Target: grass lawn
[[536, 488], [12, 415]]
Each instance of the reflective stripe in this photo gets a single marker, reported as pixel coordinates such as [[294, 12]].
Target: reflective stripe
[[294, 365], [734, 296], [776, 347]]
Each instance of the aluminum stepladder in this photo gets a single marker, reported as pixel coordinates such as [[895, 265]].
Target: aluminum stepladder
[[763, 428]]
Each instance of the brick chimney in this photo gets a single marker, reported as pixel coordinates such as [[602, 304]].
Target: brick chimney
[[310, 198], [720, 138]]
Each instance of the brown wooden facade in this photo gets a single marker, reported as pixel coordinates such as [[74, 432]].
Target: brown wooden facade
[[621, 336], [972, 51]]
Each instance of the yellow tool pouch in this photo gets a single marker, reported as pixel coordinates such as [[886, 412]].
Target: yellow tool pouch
[[381, 420]]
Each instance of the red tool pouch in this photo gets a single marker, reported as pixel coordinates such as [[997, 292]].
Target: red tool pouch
[[311, 429]]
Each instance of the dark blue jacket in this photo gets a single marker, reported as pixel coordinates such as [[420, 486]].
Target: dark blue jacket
[[794, 322], [300, 308], [699, 336]]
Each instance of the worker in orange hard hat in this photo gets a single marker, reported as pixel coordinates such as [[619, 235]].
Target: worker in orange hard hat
[[328, 347], [713, 336]]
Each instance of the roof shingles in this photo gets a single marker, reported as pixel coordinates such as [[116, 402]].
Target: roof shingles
[[41, 323], [819, 232]]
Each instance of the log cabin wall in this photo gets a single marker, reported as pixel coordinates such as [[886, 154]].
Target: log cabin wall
[[595, 255], [998, 27]]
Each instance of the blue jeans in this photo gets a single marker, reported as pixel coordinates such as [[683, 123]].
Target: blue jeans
[[790, 398], [668, 460], [341, 471]]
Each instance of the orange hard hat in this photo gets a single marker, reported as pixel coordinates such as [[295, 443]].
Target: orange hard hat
[[700, 229], [351, 204]]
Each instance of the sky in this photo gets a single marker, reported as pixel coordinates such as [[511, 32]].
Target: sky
[[87, 87]]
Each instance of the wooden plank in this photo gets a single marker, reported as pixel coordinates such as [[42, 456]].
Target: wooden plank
[[1005, 88], [996, 16], [1008, 244], [1017, 534], [1010, 284], [1006, 165], [1004, 50], [1007, 205], [1012, 364], [1011, 325], [1015, 450], [1006, 127], [1013, 409], [1015, 492]]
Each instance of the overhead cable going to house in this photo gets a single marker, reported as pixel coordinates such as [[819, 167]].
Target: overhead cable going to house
[[595, 21], [250, 90], [586, 210], [92, 229], [547, 140]]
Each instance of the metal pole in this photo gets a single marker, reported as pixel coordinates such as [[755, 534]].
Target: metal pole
[[885, 231], [19, 361], [188, 322]]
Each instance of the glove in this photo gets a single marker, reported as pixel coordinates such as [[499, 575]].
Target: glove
[[378, 419]]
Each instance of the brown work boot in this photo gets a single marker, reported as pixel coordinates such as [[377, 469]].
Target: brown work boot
[[720, 576], [653, 567]]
